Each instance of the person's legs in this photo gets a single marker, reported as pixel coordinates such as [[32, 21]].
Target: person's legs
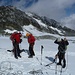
[[60, 59], [31, 51], [18, 51], [64, 61], [15, 50]]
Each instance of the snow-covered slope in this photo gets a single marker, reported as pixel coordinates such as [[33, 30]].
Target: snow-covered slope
[[15, 19], [25, 66]]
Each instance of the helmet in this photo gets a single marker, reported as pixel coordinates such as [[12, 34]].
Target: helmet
[[27, 34]]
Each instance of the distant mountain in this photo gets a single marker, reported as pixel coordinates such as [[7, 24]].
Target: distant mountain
[[12, 18]]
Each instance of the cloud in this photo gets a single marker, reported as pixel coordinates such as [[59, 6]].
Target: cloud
[[69, 21], [48, 8], [19, 4], [54, 9]]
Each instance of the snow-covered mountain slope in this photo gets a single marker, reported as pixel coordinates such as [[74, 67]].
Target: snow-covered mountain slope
[[12, 18], [31, 66]]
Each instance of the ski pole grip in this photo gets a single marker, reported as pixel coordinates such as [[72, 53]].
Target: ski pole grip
[[42, 47]]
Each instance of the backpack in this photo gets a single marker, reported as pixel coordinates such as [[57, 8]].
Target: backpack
[[62, 49]]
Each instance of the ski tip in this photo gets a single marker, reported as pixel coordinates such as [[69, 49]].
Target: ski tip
[[9, 50], [46, 65]]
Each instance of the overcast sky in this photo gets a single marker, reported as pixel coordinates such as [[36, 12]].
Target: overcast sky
[[60, 10]]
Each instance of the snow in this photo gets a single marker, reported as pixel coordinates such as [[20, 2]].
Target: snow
[[10, 31], [29, 14], [40, 22], [24, 66], [56, 30], [30, 28], [33, 30]]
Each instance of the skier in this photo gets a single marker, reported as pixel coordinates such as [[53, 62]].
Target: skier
[[16, 40], [31, 41], [61, 51]]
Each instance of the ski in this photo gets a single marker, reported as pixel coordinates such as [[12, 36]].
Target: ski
[[51, 59], [36, 72], [50, 63], [23, 50], [38, 60], [9, 50], [58, 68]]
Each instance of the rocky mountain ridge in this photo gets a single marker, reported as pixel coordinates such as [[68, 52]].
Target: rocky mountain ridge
[[14, 19]]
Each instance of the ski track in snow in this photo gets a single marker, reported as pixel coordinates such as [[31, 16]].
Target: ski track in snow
[[26, 65]]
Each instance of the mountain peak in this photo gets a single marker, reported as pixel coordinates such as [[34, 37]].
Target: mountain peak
[[14, 19]]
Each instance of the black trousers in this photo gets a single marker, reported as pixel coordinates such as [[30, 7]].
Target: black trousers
[[61, 57], [31, 51], [16, 50]]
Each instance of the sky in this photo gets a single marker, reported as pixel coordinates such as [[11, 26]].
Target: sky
[[59, 10]]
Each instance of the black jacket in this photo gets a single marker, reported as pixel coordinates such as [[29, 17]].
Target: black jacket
[[62, 45]]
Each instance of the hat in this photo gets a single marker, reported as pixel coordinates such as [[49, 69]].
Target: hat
[[27, 34], [59, 39]]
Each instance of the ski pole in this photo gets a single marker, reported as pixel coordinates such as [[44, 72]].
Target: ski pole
[[41, 53], [61, 70], [56, 66], [41, 58]]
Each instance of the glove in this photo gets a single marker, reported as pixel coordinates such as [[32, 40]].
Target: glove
[[20, 40], [14, 40]]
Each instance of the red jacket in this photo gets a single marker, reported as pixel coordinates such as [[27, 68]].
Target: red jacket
[[31, 39], [16, 36]]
